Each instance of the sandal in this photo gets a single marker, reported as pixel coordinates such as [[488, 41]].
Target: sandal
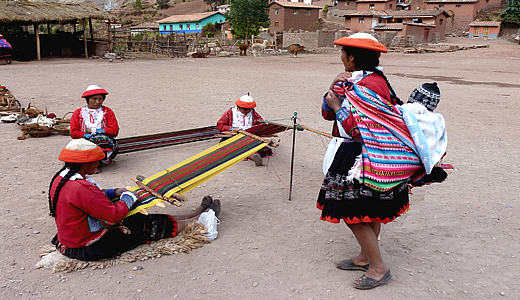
[[349, 265], [366, 283], [207, 201], [215, 206]]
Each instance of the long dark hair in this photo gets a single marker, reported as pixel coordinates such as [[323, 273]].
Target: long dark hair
[[73, 168], [368, 60]]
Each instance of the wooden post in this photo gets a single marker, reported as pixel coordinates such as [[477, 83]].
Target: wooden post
[[84, 23], [91, 30], [109, 37], [37, 34]]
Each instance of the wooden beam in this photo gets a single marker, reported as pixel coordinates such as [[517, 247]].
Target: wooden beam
[[37, 34], [91, 30], [84, 23]]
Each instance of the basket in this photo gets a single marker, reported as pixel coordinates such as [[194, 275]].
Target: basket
[[13, 106], [35, 130], [5, 96], [64, 119], [62, 128], [32, 111]]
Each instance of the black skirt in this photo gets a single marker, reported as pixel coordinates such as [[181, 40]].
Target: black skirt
[[352, 202], [143, 229]]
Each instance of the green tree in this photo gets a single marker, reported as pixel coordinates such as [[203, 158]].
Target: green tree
[[512, 12], [163, 4], [209, 30], [247, 16]]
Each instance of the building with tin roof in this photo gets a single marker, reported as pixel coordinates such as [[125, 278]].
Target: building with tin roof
[[192, 23], [486, 29]]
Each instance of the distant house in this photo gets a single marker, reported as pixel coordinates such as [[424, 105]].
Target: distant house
[[488, 29], [292, 15], [145, 27], [425, 21], [223, 8], [376, 4], [345, 5], [189, 23]]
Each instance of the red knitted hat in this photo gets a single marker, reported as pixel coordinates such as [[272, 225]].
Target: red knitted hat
[[361, 40], [81, 151], [94, 90]]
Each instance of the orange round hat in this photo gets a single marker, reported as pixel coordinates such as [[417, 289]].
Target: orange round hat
[[246, 101], [81, 151], [361, 40], [93, 90]]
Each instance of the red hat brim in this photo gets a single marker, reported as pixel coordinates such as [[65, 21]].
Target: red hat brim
[[81, 156], [361, 43], [94, 92], [243, 104]]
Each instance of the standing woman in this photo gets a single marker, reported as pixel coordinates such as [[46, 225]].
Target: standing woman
[[367, 181], [96, 123]]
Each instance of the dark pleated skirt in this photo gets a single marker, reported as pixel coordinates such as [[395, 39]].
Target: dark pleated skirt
[[355, 203]]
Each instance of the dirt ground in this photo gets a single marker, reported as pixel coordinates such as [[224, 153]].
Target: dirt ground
[[460, 240]]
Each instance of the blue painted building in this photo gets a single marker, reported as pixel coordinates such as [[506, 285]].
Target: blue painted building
[[189, 23]]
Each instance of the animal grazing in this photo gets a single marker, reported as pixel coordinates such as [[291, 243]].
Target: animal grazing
[[295, 48], [201, 54], [243, 48], [257, 48]]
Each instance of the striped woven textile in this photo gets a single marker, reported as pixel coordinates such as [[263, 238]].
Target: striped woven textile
[[268, 129], [166, 139], [197, 169], [388, 150]]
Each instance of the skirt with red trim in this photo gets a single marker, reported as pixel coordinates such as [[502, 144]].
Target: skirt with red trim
[[352, 202]]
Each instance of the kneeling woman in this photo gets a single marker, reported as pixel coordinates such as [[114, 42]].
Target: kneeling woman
[[96, 123], [91, 221]]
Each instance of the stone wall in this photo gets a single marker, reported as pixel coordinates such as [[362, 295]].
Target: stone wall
[[458, 24], [311, 40]]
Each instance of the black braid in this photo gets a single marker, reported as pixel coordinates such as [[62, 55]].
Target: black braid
[[73, 168], [368, 60]]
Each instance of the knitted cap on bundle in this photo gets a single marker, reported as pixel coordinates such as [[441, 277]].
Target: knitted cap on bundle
[[93, 90], [246, 101], [428, 94], [361, 40], [81, 151]]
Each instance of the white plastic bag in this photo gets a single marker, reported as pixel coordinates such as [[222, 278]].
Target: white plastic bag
[[210, 221]]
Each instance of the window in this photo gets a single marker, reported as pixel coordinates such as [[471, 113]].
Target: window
[[458, 6], [180, 26], [197, 26], [380, 21], [440, 21], [390, 6], [361, 20], [308, 12], [276, 24], [294, 11], [277, 11], [441, 5], [188, 26], [371, 6], [347, 3], [171, 27]]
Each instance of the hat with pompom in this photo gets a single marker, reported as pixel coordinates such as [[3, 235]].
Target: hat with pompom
[[246, 101], [93, 90], [361, 40], [81, 151]]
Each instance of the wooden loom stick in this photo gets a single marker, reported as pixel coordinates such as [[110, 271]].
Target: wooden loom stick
[[254, 136], [156, 194], [316, 131]]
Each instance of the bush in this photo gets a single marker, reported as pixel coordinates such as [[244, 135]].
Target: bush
[[163, 4]]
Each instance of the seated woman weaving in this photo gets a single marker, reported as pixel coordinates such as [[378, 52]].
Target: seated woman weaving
[[96, 123], [92, 222], [243, 116]]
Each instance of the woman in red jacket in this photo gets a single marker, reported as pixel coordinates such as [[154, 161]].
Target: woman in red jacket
[[92, 222], [96, 123]]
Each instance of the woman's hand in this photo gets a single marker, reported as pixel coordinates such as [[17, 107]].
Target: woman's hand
[[333, 100], [340, 78], [119, 191]]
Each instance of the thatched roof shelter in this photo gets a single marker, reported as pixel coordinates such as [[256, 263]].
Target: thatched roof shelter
[[50, 12], [36, 13]]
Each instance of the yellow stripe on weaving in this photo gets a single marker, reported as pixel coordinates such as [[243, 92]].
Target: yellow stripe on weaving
[[191, 184]]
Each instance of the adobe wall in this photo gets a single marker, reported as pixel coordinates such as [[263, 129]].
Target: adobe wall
[[458, 25], [311, 40]]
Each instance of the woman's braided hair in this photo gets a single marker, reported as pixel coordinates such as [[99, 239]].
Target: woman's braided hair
[[73, 168], [368, 60]]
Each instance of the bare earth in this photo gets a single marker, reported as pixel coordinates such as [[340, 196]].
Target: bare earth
[[460, 240]]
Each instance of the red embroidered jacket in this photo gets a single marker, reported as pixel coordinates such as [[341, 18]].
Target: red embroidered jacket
[[226, 120], [78, 128], [79, 199]]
